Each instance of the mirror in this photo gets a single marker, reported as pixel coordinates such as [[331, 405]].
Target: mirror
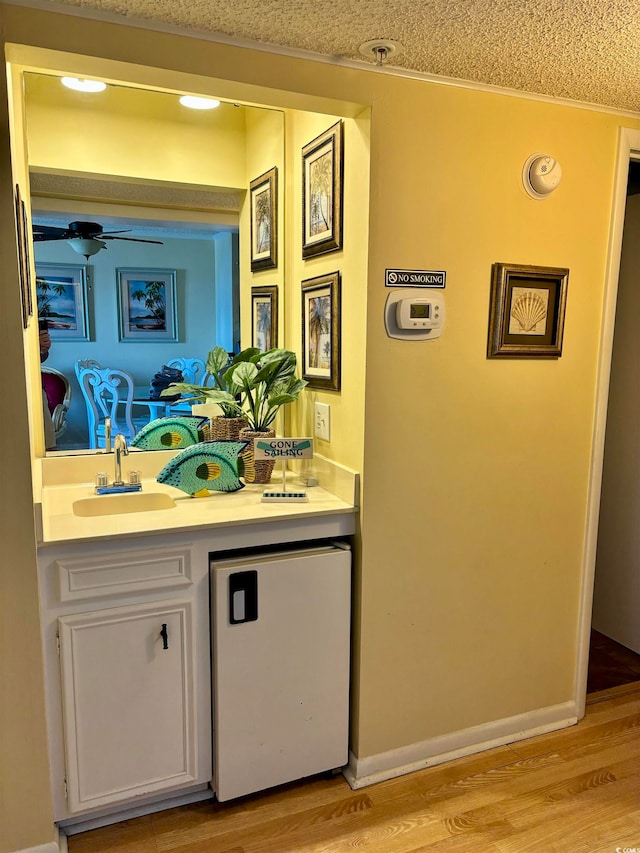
[[137, 162]]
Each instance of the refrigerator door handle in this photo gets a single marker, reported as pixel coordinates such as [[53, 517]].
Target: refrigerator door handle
[[243, 597]]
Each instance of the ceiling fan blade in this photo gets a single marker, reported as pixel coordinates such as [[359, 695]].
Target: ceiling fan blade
[[49, 232], [39, 238], [131, 239], [83, 231]]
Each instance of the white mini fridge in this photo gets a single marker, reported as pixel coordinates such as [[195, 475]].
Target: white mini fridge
[[281, 651]]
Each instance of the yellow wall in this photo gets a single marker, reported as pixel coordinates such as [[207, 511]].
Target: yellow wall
[[119, 133], [475, 470], [347, 405]]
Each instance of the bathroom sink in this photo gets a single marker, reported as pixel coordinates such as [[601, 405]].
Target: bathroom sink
[[118, 504]]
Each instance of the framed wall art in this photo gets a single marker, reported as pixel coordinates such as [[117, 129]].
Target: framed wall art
[[147, 304], [24, 270], [264, 317], [322, 193], [526, 316], [321, 331], [264, 221], [61, 294]]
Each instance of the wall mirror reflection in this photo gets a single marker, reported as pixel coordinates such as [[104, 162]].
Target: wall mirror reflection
[[166, 185]]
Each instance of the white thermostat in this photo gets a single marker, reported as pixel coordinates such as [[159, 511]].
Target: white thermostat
[[414, 316]]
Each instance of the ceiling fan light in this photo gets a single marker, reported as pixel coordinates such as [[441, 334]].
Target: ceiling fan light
[[195, 103], [83, 85], [86, 246]]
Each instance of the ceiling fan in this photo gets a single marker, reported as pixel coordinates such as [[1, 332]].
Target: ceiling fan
[[85, 238]]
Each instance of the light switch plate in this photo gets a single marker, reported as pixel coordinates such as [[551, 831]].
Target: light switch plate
[[322, 423]]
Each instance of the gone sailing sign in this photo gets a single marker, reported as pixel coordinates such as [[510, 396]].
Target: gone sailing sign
[[284, 449]]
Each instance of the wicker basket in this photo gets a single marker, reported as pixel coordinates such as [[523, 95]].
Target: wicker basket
[[225, 429], [256, 471]]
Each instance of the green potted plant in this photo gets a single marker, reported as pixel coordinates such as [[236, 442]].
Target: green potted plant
[[228, 424], [254, 386]]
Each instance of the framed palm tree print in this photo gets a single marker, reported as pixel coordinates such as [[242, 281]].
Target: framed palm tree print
[[322, 167], [264, 221], [321, 331], [61, 294], [264, 317], [147, 304]]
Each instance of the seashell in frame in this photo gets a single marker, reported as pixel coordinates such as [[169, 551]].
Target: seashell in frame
[[528, 309]]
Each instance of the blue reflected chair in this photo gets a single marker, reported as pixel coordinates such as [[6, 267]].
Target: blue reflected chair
[[193, 369], [108, 393], [194, 372]]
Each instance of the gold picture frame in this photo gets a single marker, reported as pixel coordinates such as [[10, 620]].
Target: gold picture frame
[[527, 310]]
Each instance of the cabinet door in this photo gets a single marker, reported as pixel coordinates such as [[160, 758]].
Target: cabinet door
[[127, 690]]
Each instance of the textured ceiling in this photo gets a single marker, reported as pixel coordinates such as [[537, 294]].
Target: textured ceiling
[[585, 50]]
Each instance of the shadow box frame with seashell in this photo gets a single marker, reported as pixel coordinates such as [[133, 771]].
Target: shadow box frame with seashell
[[527, 310]]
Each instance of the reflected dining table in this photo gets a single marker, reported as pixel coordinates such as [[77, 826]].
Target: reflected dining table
[[158, 408]]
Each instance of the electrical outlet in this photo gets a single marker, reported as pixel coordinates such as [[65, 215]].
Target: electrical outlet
[[322, 428]]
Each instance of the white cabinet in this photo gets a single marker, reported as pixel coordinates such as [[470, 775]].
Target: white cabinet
[[128, 707], [129, 720]]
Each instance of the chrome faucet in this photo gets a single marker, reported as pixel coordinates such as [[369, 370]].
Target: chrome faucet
[[107, 435], [119, 447]]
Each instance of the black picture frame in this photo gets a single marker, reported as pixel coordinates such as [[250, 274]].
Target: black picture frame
[[264, 221], [321, 322], [322, 192], [264, 317], [24, 265]]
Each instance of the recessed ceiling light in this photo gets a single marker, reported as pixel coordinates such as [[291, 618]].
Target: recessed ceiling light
[[199, 103], [83, 85]]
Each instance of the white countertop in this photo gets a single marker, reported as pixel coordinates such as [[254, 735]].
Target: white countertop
[[219, 509]]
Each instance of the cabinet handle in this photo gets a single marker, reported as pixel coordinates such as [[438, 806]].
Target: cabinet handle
[[165, 636]]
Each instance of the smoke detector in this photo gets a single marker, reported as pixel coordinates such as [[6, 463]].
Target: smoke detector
[[541, 174], [379, 49]]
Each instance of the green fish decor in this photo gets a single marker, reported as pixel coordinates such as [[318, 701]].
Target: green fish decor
[[211, 466], [171, 433]]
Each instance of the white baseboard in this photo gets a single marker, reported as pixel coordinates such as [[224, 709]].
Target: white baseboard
[[361, 772]]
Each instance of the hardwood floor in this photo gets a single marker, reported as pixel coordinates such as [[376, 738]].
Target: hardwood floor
[[573, 791]]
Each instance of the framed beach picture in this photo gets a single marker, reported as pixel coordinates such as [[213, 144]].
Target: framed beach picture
[[321, 331], [147, 304], [264, 221], [61, 294], [526, 315], [322, 190], [264, 317]]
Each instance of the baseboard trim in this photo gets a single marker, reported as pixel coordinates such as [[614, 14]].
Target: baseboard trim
[[50, 847], [361, 772]]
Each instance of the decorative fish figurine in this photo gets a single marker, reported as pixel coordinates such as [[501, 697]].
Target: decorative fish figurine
[[171, 433], [211, 466]]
